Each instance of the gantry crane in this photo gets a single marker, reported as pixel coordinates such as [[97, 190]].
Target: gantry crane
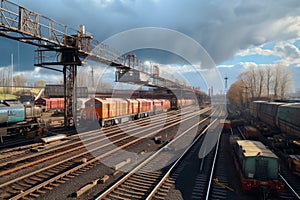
[[60, 45]]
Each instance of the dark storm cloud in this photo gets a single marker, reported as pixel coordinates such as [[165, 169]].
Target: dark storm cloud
[[221, 27]]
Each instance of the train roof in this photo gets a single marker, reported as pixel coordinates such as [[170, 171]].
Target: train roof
[[260, 101], [106, 100], [276, 103], [13, 103], [295, 105], [255, 148], [132, 100], [250, 128]]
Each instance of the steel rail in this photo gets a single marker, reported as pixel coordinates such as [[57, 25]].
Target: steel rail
[[289, 186], [64, 152], [96, 159], [167, 175], [117, 184]]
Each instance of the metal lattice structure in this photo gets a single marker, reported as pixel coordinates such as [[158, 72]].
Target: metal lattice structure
[[60, 45]]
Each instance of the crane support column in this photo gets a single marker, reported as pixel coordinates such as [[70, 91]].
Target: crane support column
[[70, 85], [70, 96]]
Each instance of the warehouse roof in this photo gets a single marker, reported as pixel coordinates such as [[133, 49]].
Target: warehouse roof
[[254, 148]]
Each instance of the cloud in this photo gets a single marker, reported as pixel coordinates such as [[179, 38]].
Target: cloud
[[225, 66], [254, 51], [221, 27], [287, 52]]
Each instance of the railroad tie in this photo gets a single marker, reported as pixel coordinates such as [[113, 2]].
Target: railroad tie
[[30, 181], [54, 184], [133, 184], [161, 193], [70, 176], [13, 188], [34, 195], [48, 187], [60, 181], [141, 181], [147, 178], [117, 197], [36, 178], [164, 190], [40, 191], [142, 189], [5, 195], [43, 176], [132, 191], [65, 178], [24, 184], [159, 197], [131, 196]]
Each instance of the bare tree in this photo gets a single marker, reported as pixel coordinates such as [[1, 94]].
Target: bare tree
[[40, 83], [276, 81], [249, 80], [284, 81], [20, 80], [269, 74], [267, 78], [261, 77]]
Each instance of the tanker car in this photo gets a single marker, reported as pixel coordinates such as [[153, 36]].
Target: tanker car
[[17, 117], [13, 112]]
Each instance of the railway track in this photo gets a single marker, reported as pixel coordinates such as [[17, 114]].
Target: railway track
[[292, 185], [204, 187], [89, 139], [220, 184], [145, 183], [35, 183]]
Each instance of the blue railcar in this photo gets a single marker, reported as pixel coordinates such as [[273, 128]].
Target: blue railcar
[[3, 114], [14, 112]]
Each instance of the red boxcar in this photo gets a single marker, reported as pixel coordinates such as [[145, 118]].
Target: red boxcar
[[133, 106], [48, 104], [109, 111], [145, 107], [250, 132], [226, 124], [157, 106], [166, 104]]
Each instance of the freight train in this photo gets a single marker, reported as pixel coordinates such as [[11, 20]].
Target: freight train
[[257, 166], [111, 111], [284, 116]]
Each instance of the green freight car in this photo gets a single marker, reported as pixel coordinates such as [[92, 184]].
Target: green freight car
[[258, 167], [288, 117]]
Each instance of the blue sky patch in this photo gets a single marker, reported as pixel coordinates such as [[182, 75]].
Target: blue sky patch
[[258, 59]]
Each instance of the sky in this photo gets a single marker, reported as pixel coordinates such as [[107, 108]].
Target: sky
[[236, 34]]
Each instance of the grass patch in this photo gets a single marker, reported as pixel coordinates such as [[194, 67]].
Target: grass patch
[[7, 96]]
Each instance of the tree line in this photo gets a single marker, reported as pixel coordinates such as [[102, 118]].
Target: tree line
[[264, 82], [6, 79]]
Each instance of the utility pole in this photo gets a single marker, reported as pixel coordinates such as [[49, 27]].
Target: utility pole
[[92, 73], [12, 72], [226, 78]]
